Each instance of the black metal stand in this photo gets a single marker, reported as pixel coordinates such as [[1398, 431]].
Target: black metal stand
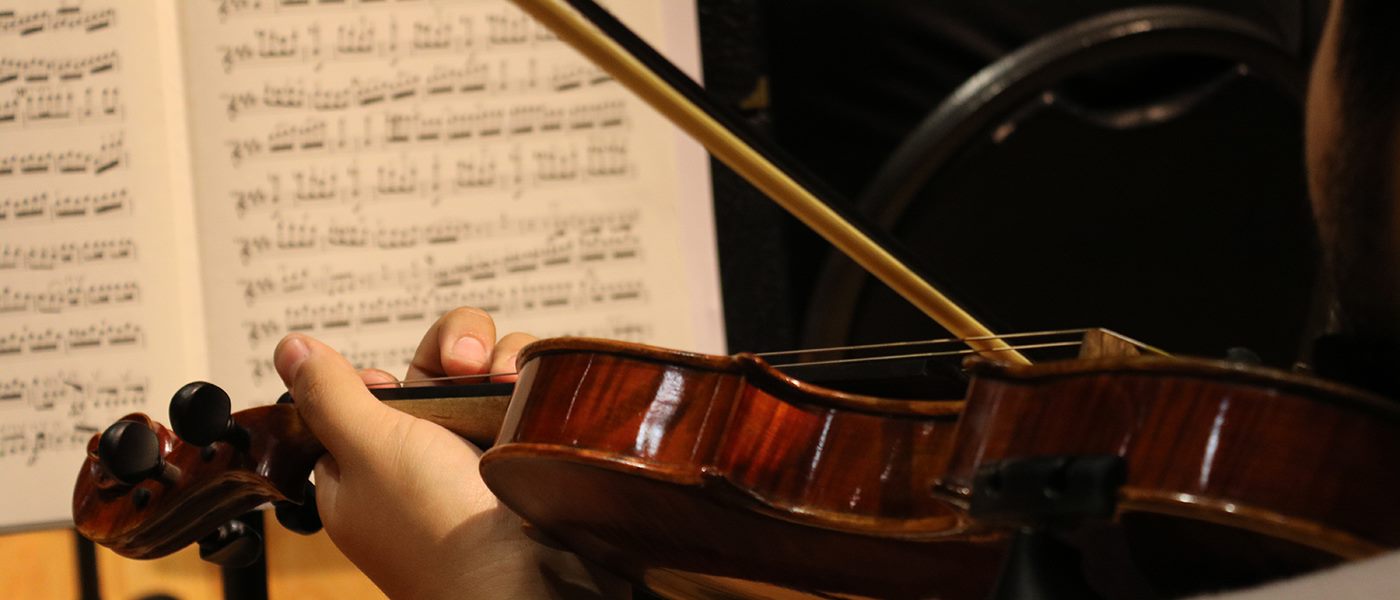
[[1041, 567], [1045, 498], [250, 582], [86, 552]]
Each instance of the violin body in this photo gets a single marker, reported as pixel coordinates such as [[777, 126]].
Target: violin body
[[1235, 475], [705, 475]]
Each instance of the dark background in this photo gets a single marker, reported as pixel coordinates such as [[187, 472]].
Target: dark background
[[1194, 235]]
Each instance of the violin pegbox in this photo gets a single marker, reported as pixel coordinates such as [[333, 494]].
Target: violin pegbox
[[145, 492]]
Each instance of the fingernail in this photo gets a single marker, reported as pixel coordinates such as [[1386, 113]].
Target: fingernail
[[376, 377], [510, 366], [289, 356], [469, 350]]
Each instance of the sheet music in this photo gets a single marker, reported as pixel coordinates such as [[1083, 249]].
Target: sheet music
[[363, 166], [184, 183], [91, 324]]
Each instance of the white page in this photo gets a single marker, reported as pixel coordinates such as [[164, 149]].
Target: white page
[[94, 305], [362, 167]]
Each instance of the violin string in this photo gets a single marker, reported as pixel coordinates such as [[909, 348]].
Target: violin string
[[950, 340], [432, 380], [906, 344], [959, 352], [962, 352]]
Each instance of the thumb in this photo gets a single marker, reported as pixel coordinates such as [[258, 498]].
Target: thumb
[[327, 488], [331, 397]]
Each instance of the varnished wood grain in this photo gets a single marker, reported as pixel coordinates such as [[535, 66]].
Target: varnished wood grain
[[1226, 465], [271, 462], [719, 470]]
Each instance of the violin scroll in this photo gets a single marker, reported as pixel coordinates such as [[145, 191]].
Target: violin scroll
[[146, 492]]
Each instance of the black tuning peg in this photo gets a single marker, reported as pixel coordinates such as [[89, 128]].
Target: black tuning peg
[[300, 518], [131, 452], [232, 545], [200, 414]]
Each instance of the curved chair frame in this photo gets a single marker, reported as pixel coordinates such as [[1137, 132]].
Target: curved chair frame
[[997, 92]]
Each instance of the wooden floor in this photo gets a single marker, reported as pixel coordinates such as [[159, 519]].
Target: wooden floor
[[43, 564]]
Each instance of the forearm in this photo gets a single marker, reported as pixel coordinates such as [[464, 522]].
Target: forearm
[[493, 558]]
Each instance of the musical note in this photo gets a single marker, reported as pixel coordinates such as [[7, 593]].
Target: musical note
[[46, 70], [69, 296], [395, 359], [328, 318], [41, 208], [66, 254], [60, 411], [63, 18], [109, 155], [58, 106], [561, 250], [505, 27], [597, 234], [26, 342], [389, 358]]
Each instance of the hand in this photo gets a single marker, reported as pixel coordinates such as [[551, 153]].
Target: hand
[[402, 497]]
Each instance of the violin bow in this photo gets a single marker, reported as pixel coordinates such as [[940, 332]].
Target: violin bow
[[593, 31]]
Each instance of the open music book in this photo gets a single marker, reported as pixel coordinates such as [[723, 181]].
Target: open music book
[[183, 183]]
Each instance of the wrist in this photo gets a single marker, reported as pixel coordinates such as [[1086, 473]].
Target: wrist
[[503, 562]]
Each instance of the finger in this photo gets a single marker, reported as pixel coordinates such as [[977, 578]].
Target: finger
[[457, 344], [503, 358], [330, 396], [327, 474], [377, 377]]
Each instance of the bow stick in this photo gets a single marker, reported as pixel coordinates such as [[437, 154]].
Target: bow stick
[[584, 29]]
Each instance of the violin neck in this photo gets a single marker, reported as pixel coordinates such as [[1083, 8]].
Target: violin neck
[[474, 412]]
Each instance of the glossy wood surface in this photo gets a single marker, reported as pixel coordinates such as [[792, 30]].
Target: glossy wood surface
[[210, 488], [680, 468], [236, 477], [1225, 463]]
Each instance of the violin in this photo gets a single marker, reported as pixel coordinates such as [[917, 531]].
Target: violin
[[697, 475]]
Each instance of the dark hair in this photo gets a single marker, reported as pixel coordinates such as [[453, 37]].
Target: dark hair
[[1361, 198]]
